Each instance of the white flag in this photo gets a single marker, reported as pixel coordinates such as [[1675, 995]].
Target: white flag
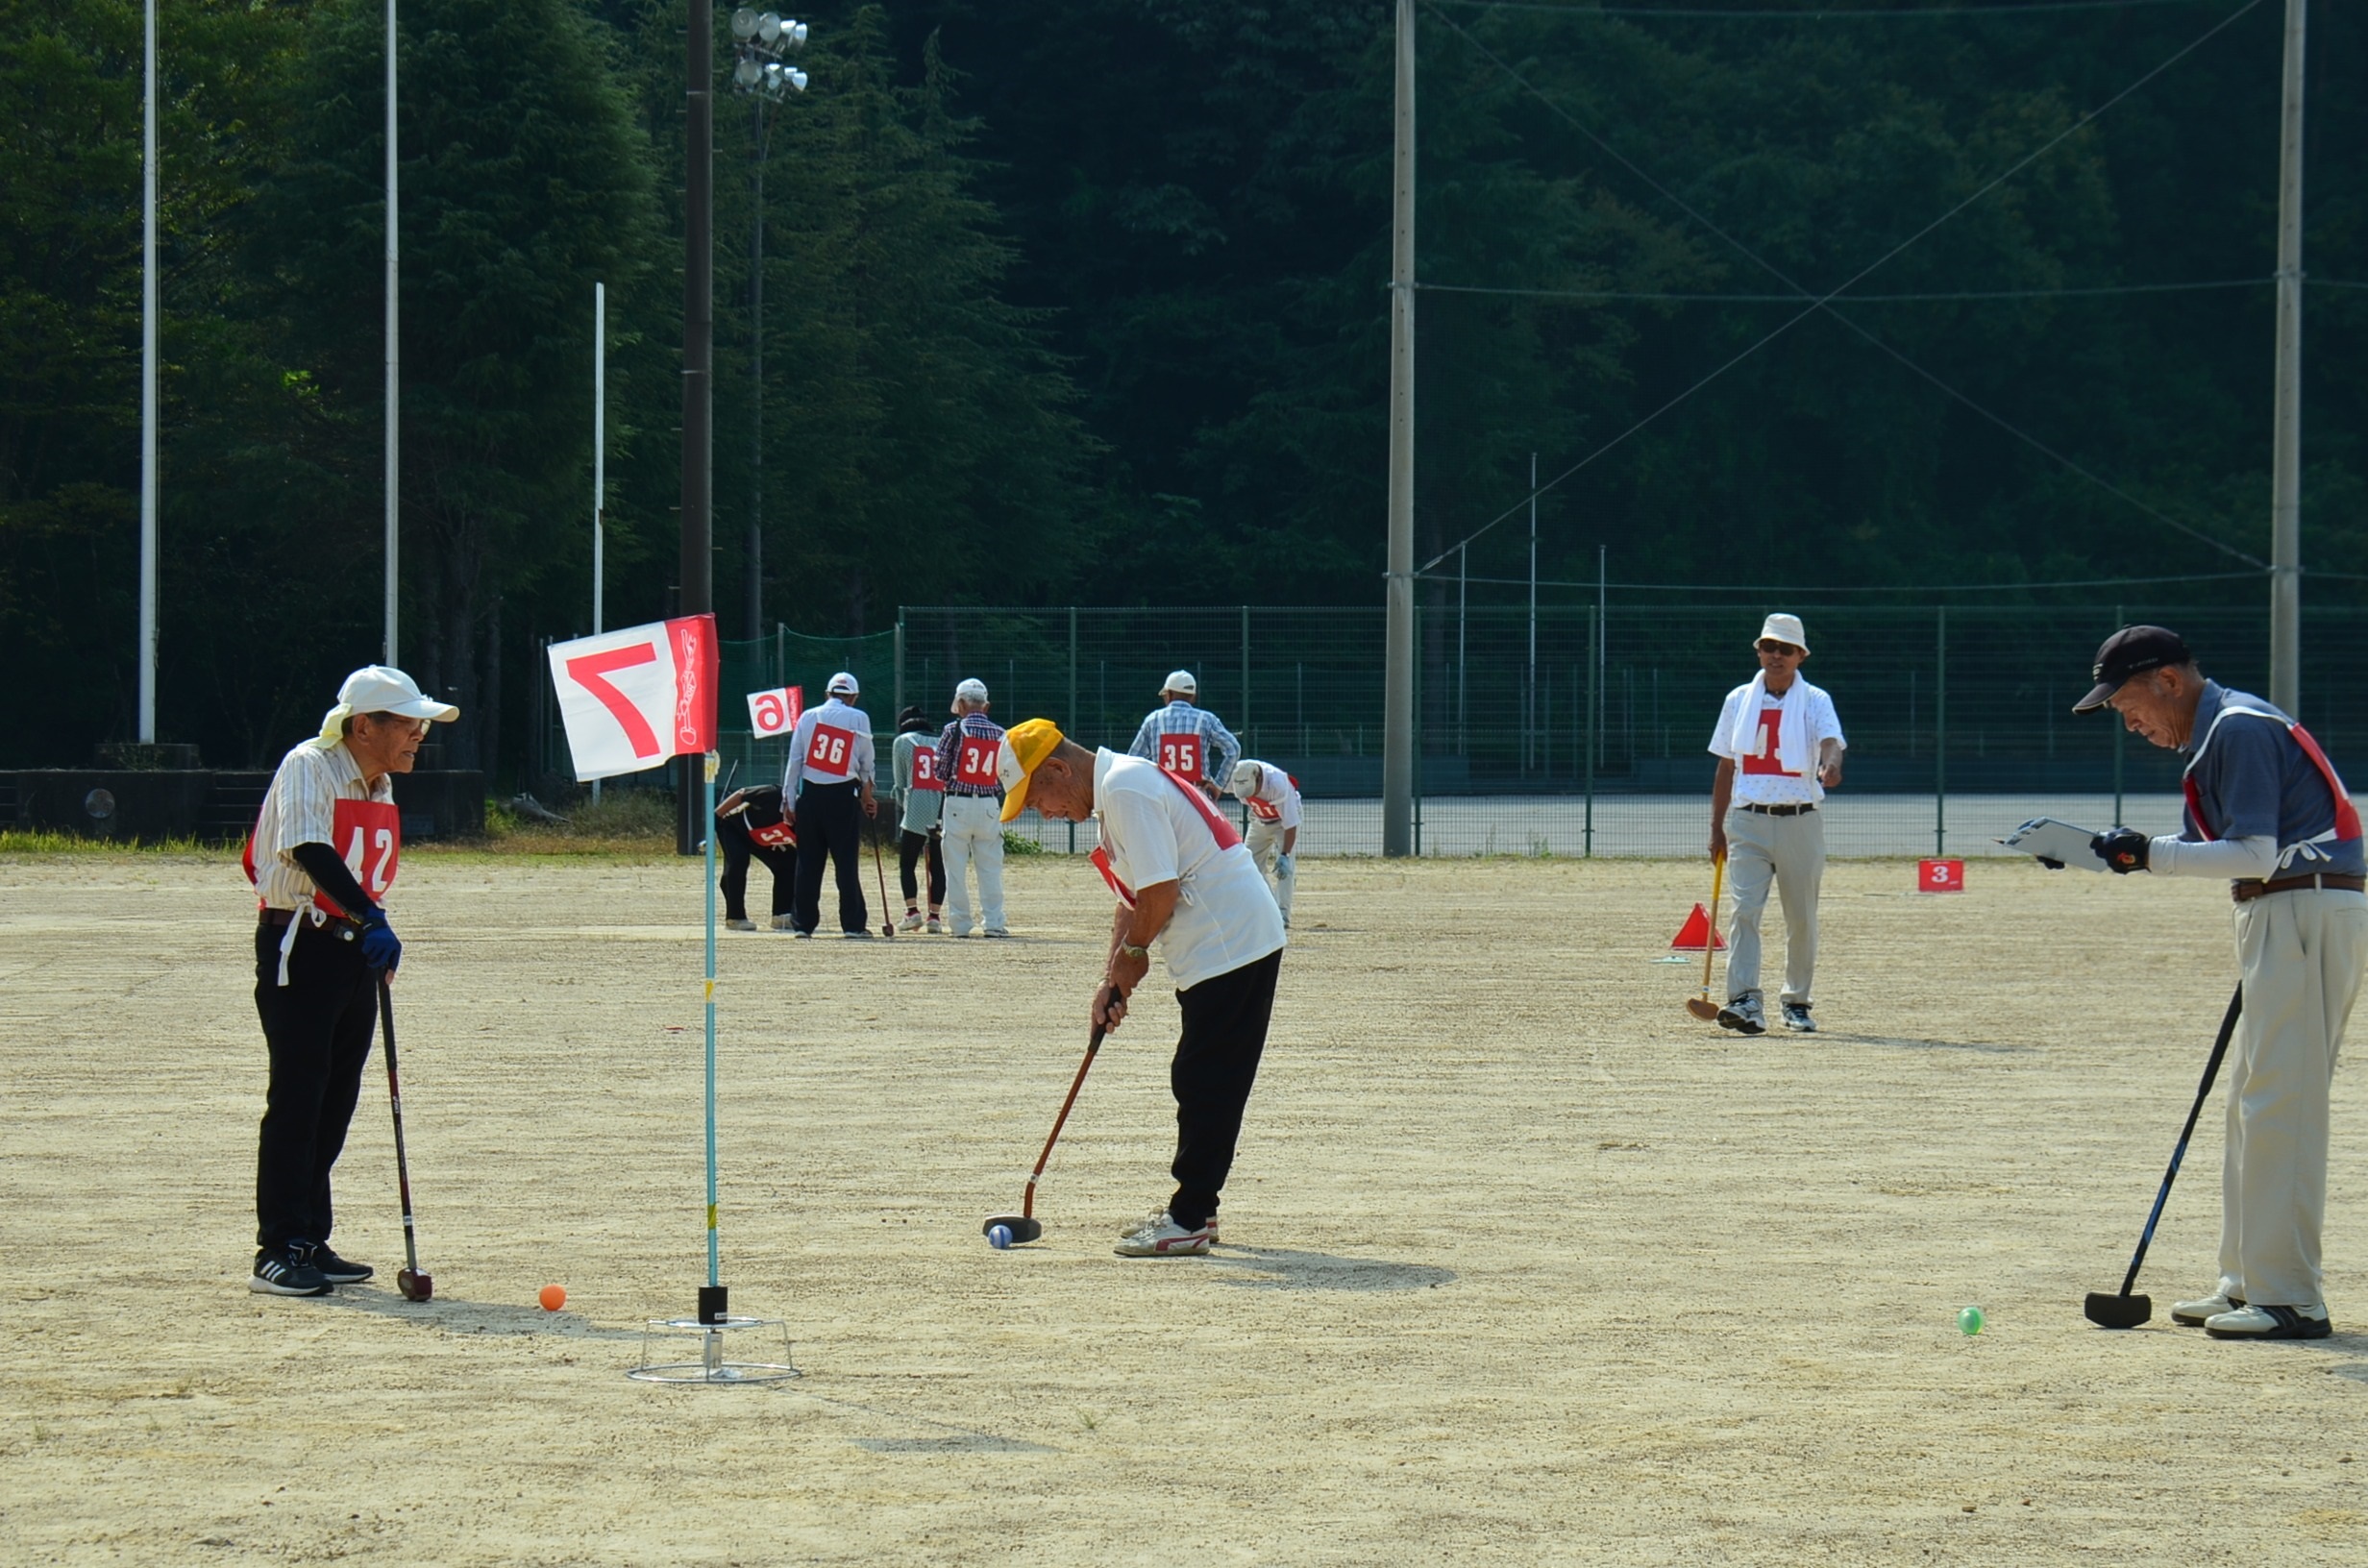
[[632, 698]]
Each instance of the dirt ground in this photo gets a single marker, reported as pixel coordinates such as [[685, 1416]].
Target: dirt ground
[[1521, 1265]]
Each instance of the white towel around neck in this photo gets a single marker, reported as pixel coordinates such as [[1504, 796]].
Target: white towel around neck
[[1744, 737]]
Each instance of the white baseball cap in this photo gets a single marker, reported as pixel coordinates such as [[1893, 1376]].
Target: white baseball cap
[[970, 690], [381, 687], [841, 684], [1783, 628], [1181, 681], [1244, 781]]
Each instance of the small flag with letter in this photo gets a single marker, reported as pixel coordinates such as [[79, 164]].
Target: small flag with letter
[[632, 698]]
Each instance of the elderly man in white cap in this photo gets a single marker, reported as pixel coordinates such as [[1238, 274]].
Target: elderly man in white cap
[[322, 857], [968, 752], [1188, 741], [1779, 746], [1272, 797], [828, 780]]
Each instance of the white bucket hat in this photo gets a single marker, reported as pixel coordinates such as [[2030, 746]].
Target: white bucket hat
[[1181, 683], [381, 687], [1781, 627]]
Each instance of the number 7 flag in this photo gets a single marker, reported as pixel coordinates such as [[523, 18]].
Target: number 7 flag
[[632, 698]]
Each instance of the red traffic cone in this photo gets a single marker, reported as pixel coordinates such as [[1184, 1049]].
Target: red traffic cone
[[1696, 935]]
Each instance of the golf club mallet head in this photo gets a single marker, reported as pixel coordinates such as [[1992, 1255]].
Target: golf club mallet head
[[1702, 1007], [414, 1285], [1024, 1225], [1024, 1228], [2107, 1310]]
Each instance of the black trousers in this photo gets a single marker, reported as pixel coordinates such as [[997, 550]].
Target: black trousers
[[908, 852], [732, 837], [317, 1028], [830, 823], [1216, 1063]]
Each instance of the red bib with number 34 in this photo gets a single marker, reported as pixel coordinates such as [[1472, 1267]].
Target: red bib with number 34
[[1181, 755], [829, 749], [973, 762]]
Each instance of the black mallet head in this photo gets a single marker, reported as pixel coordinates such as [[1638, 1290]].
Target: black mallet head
[[1022, 1228], [2111, 1311], [414, 1285]]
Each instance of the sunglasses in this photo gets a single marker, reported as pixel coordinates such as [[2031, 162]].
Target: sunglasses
[[1772, 647]]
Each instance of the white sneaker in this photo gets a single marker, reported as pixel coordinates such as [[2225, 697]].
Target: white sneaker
[[2271, 1323], [997, 932], [739, 923], [2194, 1313], [1159, 1212], [1164, 1237], [785, 922], [911, 921]]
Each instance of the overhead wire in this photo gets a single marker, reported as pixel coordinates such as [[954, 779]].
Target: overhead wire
[[1856, 299], [1817, 303], [1900, 13], [1897, 588]]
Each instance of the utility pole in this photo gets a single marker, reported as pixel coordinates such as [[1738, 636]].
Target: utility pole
[[1398, 720], [698, 562], [1529, 706], [148, 400], [600, 461], [2286, 463], [755, 551], [394, 357]]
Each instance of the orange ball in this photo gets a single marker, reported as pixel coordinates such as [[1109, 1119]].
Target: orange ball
[[552, 1297]]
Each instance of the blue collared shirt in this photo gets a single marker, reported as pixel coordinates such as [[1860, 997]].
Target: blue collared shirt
[[1218, 749]]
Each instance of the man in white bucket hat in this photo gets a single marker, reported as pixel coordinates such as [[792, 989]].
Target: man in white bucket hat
[[322, 857], [1779, 746]]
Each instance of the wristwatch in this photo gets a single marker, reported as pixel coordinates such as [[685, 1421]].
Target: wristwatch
[[1127, 950]]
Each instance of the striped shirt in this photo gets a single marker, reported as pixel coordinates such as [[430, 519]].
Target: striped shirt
[[301, 808], [1218, 750], [987, 744]]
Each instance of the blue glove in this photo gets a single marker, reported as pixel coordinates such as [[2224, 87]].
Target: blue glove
[[2124, 850], [380, 948], [1284, 866]]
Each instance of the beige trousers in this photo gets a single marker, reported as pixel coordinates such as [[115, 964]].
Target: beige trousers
[[2301, 954], [1788, 851], [1265, 847]]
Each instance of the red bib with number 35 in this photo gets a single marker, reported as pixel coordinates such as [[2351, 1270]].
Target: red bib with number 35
[[973, 762], [831, 748], [1181, 755], [924, 769]]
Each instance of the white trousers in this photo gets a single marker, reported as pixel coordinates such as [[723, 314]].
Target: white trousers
[[973, 836], [1788, 851], [2301, 954], [1265, 847]]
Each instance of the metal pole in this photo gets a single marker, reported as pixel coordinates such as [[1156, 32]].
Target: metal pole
[[1940, 732], [394, 357], [1243, 712], [755, 553], [698, 562], [1397, 746], [1529, 700], [148, 398], [2286, 534], [900, 693], [707, 766], [599, 462], [1073, 702], [1462, 662], [2121, 732]]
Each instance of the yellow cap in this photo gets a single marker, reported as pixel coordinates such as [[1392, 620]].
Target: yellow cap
[[1024, 745]]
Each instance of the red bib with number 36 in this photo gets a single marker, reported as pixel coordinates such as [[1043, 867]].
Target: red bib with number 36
[[1181, 755], [831, 748]]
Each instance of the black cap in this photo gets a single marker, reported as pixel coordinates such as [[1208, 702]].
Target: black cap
[[2132, 650], [910, 718]]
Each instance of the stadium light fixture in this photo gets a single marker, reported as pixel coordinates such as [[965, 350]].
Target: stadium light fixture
[[764, 38]]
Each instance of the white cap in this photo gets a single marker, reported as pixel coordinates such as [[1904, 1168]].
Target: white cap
[[1244, 781], [841, 684], [970, 690], [379, 688], [1781, 627], [1182, 683]]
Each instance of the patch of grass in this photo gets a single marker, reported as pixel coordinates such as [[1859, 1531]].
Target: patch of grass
[[636, 823], [42, 842], [1015, 843]]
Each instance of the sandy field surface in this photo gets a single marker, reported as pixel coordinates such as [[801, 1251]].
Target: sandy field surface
[[1520, 1264]]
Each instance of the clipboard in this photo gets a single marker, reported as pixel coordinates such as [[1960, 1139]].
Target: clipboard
[[2049, 838]]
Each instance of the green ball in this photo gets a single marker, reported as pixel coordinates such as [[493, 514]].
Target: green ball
[[1969, 1319]]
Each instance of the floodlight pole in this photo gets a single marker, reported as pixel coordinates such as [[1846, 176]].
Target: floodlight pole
[[757, 374], [600, 461], [394, 355], [698, 563], [2286, 531], [1397, 722], [148, 398]]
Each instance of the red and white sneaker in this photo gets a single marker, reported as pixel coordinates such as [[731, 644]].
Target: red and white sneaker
[[1158, 1213], [1164, 1237]]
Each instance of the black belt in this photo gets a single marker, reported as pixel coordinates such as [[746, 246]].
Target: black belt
[[274, 916], [1775, 811], [2244, 893]]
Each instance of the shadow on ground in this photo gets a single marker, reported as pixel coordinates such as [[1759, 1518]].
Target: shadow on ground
[[1275, 1269]]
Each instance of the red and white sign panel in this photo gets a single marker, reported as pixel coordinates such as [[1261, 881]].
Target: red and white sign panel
[[776, 712], [632, 698], [1941, 876]]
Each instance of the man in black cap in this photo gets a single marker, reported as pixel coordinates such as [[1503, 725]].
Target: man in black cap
[[2266, 810], [750, 824]]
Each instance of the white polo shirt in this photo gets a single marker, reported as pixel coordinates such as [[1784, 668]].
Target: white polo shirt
[[1767, 771], [1276, 801], [1156, 828], [301, 808], [831, 744]]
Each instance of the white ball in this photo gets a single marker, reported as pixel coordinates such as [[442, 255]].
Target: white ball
[[999, 1236]]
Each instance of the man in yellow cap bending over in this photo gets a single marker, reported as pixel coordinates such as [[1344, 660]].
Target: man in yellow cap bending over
[[1184, 880]]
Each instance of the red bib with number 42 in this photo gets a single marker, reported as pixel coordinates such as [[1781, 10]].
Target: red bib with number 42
[[829, 749], [1180, 754], [368, 836]]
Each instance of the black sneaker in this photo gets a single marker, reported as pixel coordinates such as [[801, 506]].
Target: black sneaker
[[288, 1271], [339, 1270], [1797, 1019]]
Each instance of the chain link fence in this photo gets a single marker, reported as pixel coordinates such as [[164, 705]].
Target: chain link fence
[[1578, 730]]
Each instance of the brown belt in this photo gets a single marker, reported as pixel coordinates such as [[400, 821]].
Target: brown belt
[[274, 917], [1778, 811], [2246, 891]]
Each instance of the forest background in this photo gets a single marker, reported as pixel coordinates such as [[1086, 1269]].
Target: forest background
[[1084, 301]]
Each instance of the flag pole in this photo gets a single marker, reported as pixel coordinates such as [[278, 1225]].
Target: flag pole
[[714, 1279]]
